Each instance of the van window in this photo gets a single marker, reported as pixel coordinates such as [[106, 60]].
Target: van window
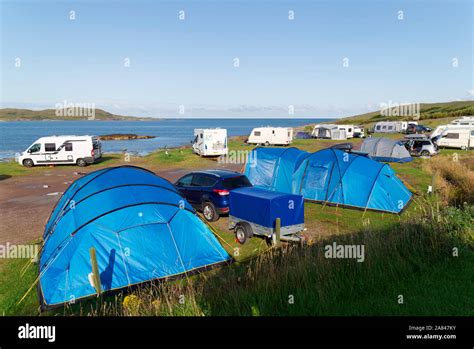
[[472, 133], [273, 131], [452, 136], [378, 127], [200, 135], [384, 127], [68, 147], [35, 148], [50, 147], [390, 127], [257, 133]]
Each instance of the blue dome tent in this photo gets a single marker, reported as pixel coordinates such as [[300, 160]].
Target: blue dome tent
[[141, 227], [329, 176]]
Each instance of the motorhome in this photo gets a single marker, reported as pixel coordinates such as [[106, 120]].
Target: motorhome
[[57, 150], [466, 122], [210, 141], [271, 136], [455, 137], [393, 126]]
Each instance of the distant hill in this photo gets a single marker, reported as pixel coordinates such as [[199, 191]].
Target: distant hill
[[428, 111], [13, 114]]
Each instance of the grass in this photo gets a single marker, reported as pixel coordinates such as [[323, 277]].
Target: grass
[[409, 255]]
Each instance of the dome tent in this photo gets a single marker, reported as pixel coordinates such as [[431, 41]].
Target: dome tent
[[330, 176], [385, 150], [141, 227]]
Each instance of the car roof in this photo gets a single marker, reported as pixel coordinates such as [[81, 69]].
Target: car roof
[[220, 173]]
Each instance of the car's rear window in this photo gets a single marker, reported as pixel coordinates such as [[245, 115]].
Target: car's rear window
[[236, 182]]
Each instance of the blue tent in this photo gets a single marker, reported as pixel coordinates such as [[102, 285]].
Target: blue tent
[[329, 176], [141, 227]]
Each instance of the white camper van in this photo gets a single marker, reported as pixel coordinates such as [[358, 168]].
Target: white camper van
[[271, 136], [455, 137], [466, 123], [210, 141], [58, 150]]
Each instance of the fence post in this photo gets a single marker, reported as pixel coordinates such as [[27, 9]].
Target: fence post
[[95, 271], [277, 231]]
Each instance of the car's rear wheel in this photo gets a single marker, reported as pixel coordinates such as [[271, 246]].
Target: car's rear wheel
[[28, 163], [209, 212], [81, 163]]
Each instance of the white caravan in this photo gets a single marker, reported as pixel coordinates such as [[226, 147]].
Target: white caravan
[[349, 130], [58, 150], [271, 136], [392, 126], [455, 137], [329, 131], [210, 141]]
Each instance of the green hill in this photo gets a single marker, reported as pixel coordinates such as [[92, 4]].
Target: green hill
[[13, 114], [428, 112]]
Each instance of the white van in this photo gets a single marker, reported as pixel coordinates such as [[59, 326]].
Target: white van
[[455, 137], [58, 150], [210, 141], [359, 132], [271, 136]]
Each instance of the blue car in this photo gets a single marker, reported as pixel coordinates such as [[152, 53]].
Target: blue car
[[208, 191]]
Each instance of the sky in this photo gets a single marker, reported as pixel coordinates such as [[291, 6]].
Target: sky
[[299, 59]]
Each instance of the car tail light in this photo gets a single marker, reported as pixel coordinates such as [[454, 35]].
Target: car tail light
[[92, 153], [221, 192]]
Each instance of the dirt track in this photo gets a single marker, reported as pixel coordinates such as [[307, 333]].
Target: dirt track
[[25, 205]]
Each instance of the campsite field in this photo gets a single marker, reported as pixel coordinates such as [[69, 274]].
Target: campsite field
[[409, 255]]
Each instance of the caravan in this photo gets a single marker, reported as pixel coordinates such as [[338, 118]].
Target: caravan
[[329, 131], [271, 136], [466, 122], [349, 129], [210, 141], [393, 126], [56, 150]]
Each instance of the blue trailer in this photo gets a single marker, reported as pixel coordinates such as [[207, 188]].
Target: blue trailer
[[253, 211]]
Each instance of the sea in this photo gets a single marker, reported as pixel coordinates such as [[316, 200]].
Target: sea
[[17, 136]]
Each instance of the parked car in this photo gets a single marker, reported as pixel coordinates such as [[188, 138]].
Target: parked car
[[62, 150], [417, 129], [208, 191], [420, 145]]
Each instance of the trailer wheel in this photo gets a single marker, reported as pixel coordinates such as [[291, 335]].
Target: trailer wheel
[[28, 163], [209, 212], [267, 143], [81, 163], [243, 231]]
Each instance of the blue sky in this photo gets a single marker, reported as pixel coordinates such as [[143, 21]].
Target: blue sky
[[190, 63]]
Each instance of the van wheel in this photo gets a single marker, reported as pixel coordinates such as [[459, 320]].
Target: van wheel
[[267, 144], [242, 233], [425, 153], [209, 212], [81, 163], [28, 163]]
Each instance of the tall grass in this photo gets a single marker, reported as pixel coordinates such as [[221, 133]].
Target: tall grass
[[299, 280]]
